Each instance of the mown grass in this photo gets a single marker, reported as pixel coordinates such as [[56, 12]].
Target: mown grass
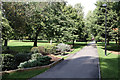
[[109, 65], [16, 45], [23, 75], [24, 46]]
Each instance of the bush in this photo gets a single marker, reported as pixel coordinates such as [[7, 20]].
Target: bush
[[63, 47], [21, 57], [8, 62], [50, 49], [36, 55], [41, 61], [41, 50], [8, 51], [34, 50]]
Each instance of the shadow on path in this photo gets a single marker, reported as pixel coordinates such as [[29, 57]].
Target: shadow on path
[[84, 64]]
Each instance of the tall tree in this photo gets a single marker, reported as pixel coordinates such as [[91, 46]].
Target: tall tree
[[6, 30]]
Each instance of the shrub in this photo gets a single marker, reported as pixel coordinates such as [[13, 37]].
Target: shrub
[[63, 47], [23, 65], [41, 61], [41, 50], [50, 49], [36, 55], [34, 50], [8, 51], [21, 57], [8, 62]]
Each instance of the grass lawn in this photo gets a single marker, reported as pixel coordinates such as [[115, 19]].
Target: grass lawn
[[23, 75], [26, 45], [108, 64], [16, 45]]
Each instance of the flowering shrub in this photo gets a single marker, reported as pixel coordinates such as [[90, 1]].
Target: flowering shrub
[[63, 47]]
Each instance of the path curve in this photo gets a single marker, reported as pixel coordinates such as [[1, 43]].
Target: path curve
[[84, 64]]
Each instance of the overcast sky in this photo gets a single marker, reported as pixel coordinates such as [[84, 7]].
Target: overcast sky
[[87, 4]]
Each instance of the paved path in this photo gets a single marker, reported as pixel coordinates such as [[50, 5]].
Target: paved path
[[83, 64]]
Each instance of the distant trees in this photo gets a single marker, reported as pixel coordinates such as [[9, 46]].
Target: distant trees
[[48, 20], [96, 22]]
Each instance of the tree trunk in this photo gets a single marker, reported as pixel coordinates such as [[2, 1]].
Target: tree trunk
[[6, 42], [73, 42], [48, 40], [95, 41], [35, 41], [86, 41], [51, 41], [119, 41], [116, 41]]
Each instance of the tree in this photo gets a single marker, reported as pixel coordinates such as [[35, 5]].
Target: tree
[[99, 21], [15, 13], [6, 30], [116, 7]]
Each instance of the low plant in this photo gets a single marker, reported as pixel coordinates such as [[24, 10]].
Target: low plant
[[39, 61], [36, 55], [50, 49], [34, 50], [41, 50], [63, 47], [21, 57], [8, 51], [8, 62]]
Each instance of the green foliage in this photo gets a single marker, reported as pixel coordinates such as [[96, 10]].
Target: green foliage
[[95, 21], [34, 50], [8, 62], [52, 21], [21, 57], [50, 49], [9, 51], [36, 55], [39, 61]]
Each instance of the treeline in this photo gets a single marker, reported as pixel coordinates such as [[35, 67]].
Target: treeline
[[42, 20], [95, 22]]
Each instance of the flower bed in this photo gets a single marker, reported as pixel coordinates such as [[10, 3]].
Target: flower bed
[[56, 60]]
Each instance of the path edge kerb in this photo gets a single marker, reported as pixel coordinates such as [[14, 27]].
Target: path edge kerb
[[98, 64], [33, 68]]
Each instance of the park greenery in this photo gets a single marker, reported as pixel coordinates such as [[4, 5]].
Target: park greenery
[[106, 62], [95, 22], [50, 21], [33, 30]]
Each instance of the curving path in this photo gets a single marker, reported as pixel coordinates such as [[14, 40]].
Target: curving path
[[83, 64]]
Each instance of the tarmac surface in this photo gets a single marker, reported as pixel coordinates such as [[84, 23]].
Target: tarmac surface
[[83, 64]]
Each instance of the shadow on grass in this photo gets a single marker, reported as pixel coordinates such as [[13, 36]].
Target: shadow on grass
[[109, 68], [21, 48], [77, 44], [108, 54], [110, 47]]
